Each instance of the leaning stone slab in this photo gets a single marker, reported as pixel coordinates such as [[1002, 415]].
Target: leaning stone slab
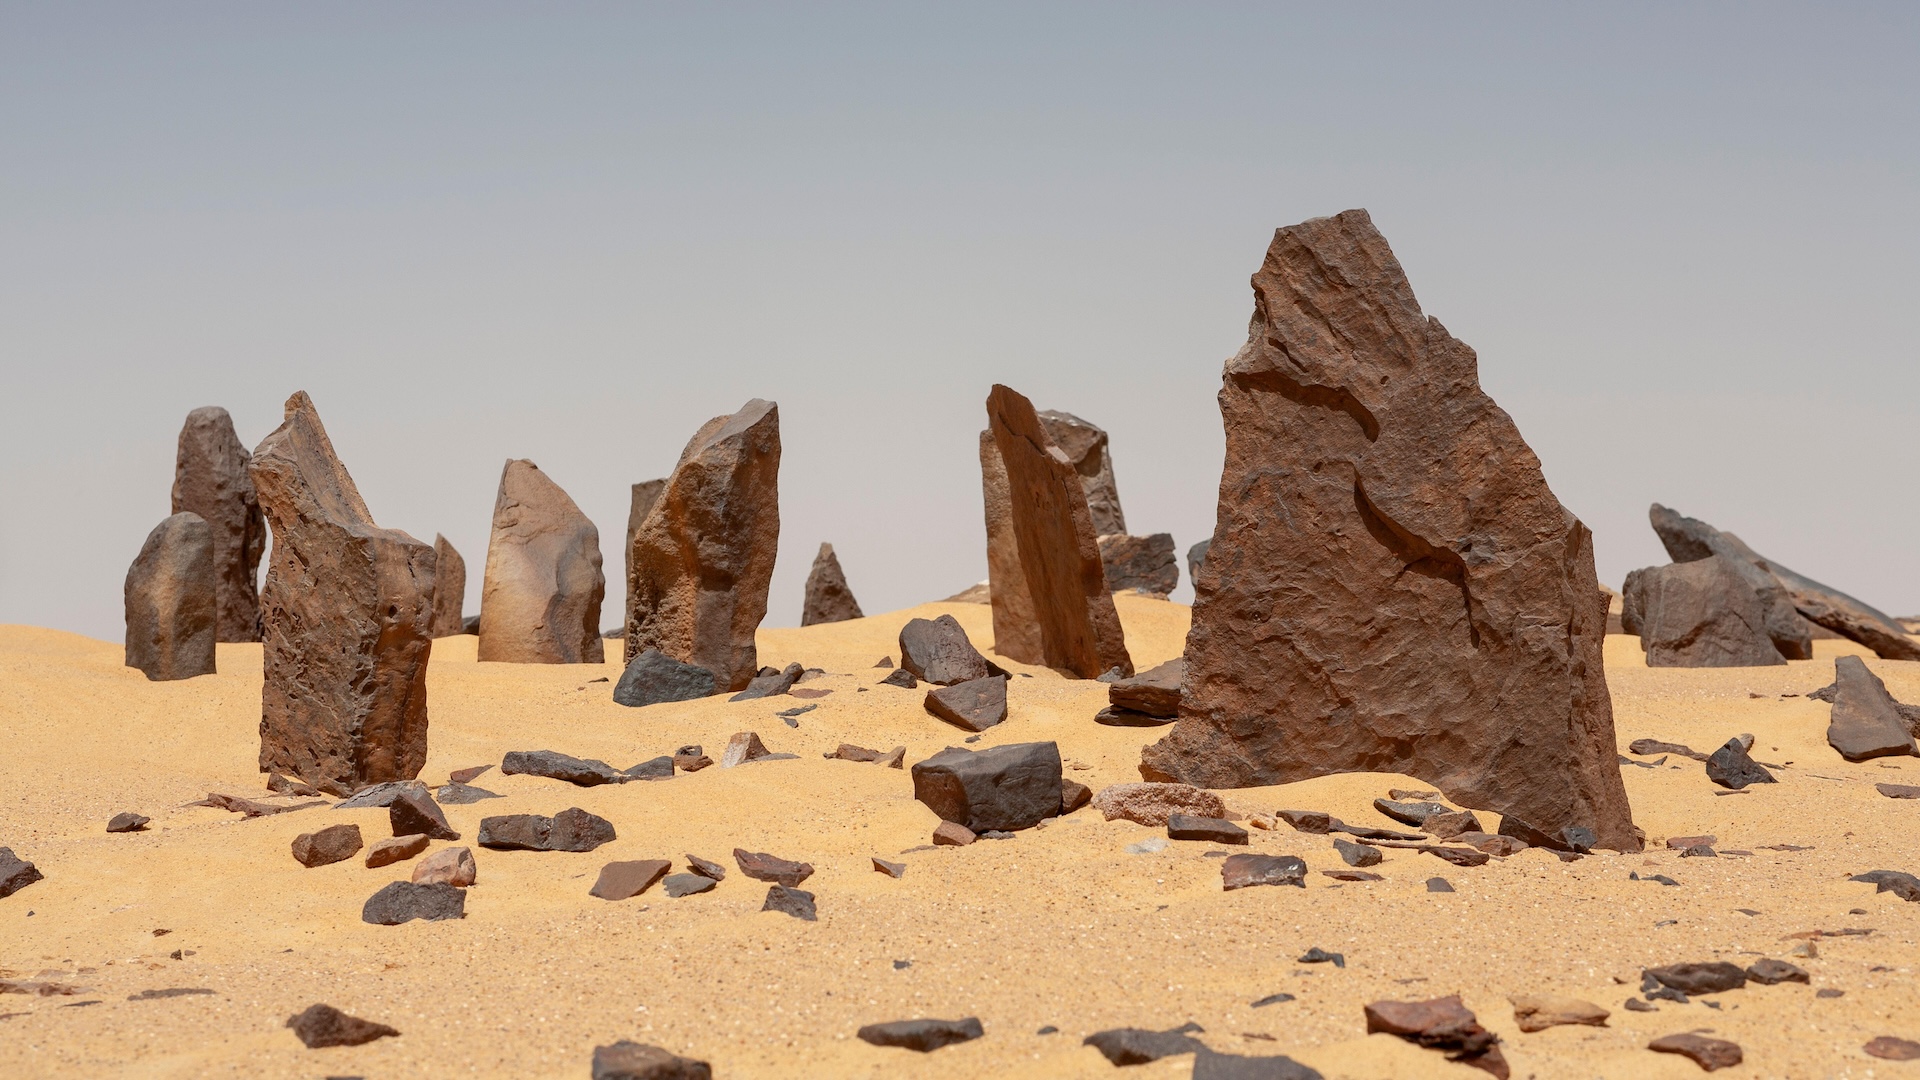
[[1866, 721], [540, 603], [1004, 788], [210, 479], [170, 601], [449, 589]]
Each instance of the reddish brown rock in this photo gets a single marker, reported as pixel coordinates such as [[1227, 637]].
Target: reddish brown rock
[[1143, 563], [414, 813], [449, 589], [1698, 614], [828, 599], [1059, 551], [448, 866], [210, 479], [1016, 633], [1866, 722], [1154, 692], [1538, 1012], [1391, 585], [346, 613], [324, 1025], [621, 880], [1086, 447], [1246, 871], [761, 866], [540, 602], [1709, 1054], [975, 705], [335, 843], [703, 557], [953, 834], [1440, 1024], [170, 601], [394, 849], [1892, 1048]]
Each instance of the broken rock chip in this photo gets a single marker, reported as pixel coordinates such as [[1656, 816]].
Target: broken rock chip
[[1889, 1048], [1769, 972], [1440, 1024], [281, 785], [395, 849], [761, 866], [1307, 821], [1208, 1065], [585, 772], [893, 759], [706, 868], [572, 829], [1730, 767], [1074, 795], [938, 651], [901, 678], [466, 775], [1698, 978], [1439, 885], [1243, 871], [335, 843], [621, 880], [1709, 1054], [952, 834], [128, 823], [1538, 1012], [1409, 813], [1138, 1046], [795, 902], [638, 1061], [653, 677], [448, 866], [403, 901], [324, 1025], [922, 1035], [974, 705], [1451, 824], [1004, 788], [16, 873], [1192, 827], [1354, 875], [415, 813], [1152, 803], [660, 768]]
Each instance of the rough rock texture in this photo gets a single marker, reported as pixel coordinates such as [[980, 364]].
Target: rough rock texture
[[622, 880], [572, 829], [1146, 563], [637, 1061], [448, 866], [1730, 767], [1009, 787], [1215, 830], [346, 613], [1689, 539], [1208, 1065], [1152, 803], [704, 556], [921, 1035], [1440, 1024], [396, 849], [938, 651], [1698, 614], [828, 597], [1154, 692], [1141, 1046], [324, 1025], [1059, 552], [653, 677], [540, 603], [403, 901], [1086, 448], [1866, 722], [1016, 634], [975, 705], [170, 601], [449, 589], [1197, 558], [1395, 588], [335, 843], [210, 479], [16, 873], [584, 772], [645, 494], [761, 686]]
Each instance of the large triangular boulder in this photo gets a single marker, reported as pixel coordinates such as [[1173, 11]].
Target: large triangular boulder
[[1391, 585], [703, 558], [540, 602], [347, 612], [210, 479], [1059, 549], [171, 597], [449, 589], [1698, 614], [828, 598]]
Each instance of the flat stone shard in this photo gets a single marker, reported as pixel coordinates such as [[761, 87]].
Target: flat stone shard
[[1709, 1054], [581, 772], [922, 1035], [540, 602], [128, 822], [323, 1025], [1059, 551], [637, 1061], [1443, 1024], [170, 601], [346, 615], [1208, 1065], [623, 880], [416, 814], [1391, 585], [828, 598], [773, 685], [1731, 768], [335, 843], [449, 589], [1698, 614], [1016, 634], [1143, 563], [1154, 692], [396, 849], [938, 651], [761, 866], [1142, 1046], [653, 677], [1004, 788], [1866, 722], [703, 557], [795, 902], [572, 829], [210, 479], [975, 705]]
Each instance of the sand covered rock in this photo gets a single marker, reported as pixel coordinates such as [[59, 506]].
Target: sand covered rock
[[170, 601], [449, 589], [703, 558], [1698, 614], [1710, 1054], [210, 479], [1003, 788], [1089, 451], [1246, 871], [1143, 563], [403, 901], [1866, 722], [789, 901], [637, 1061], [1538, 1012], [1391, 586], [540, 602], [416, 814], [347, 613], [128, 822], [828, 598], [1059, 550], [584, 772]]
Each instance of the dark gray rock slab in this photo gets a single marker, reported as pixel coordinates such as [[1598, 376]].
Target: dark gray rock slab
[[795, 902], [1004, 788], [1866, 722], [572, 829], [974, 705], [323, 1025], [585, 772], [922, 1035], [653, 677], [403, 901]]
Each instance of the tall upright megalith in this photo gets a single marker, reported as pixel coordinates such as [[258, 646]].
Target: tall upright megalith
[[210, 480], [171, 601], [347, 612], [645, 494], [1391, 585], [703, 558], [1059, 550], [449, 588], [828, 597], [540, 600], [1016, 633]]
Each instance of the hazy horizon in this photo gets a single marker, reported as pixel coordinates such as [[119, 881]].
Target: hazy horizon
[[1682, 241]]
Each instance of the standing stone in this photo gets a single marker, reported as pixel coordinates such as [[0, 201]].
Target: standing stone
[[1145, 563], [346, 612], [540, 603], [170, 598], [1866, 722], [1059, 552], [828, 597], [1698, 614], [1391, 586], [1687, 540], [1086, 448], [449, 589], [704, 556], [1016, 634], [210, 479], [645, 494]]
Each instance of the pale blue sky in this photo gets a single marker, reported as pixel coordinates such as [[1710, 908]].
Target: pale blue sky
[[1684, 239]]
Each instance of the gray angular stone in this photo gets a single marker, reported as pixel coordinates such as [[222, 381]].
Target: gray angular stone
[[761, 866], [828, 598], [1143, 563], [1208, 1065], [974, 705], [1004, 788], [795, 902], [1698, 614], [540, 601], [938, 651], [403, 901], [16, 873], [653, 677], [1865, 722], [624, 880], [1244, 871], [321, 1026], [583, 772], [572, 829], [1139, 1046], [124, 823]]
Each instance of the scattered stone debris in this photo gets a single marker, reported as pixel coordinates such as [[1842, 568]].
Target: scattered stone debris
[[1138, 1046], [767, 685], [745, 746], [395, 849], [1352, 875], [1709, 1054], [1538, 1012], [1730, 767], [795, 902], [706, 868], [652, 678], [324, 1025], [922, 1035], [1440, 1024], [678, 885], [1152, 803], [1243, 871], [1213, 829], [415, 813], [572, 829], [1317, 955], [764, 867], [624, 880], [403, 901], [974, 705], [1004, 788], [448, 866], [335, 843], [128, 823], [626, 1060], [891, 869]]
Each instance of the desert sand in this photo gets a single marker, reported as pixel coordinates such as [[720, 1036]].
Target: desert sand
[[1060, 926]]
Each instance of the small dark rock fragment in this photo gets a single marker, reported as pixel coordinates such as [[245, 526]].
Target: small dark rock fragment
[[626, 1060], [1731, 768], [128, 823], [1650, 747], [1636, 1005], [691, 759], [1352, 875], [170, 992], [376, 795], [795, 902], [624, 880], [938, 651], [1709, 1054], [1307, 821], [1829, 992], [653, 677], [1271, 999], [901, 678], [706, 868], [660, 768], [415, 813], [772, 685], [1889, 1048], [922, 1035], [1357, 854], [1440, 1024], [678, 885], [1073, 795], [324, 1025], [1899, 883], [1317, 955], [403, 901], [953, 834], [463, 795], [466, 775], [1573, 838], [1898, 791], [583, 772], [974, 705], [1458, 856], [1439, 884], [1699, 978], [1194, 827], [891, 869], [394, 849], [1409, 813], [764, 867], [1138, 1046]]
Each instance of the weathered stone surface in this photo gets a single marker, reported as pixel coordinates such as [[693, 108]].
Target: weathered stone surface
[[828, 598], [346, 616], [1357, 854], [1866, 722], [1193, 827], [678, 885], [921, 1035], [1154, 692], [770, 685], [128, 822], [403, 901], [974, 705], [1396, 588], [249, 807], [1197, 558], [415, 813], [323, 1025], [379, 795], [1891, 1048], [952, 834], [891, 869], [1059, 551], [284, 786], [448, 866], [901, 678], [1306, 821], [691, 758], [540, 601], [703, 557], [1208, 1065], [1709, 1054], [1245, 871], [1698, 614], [1016, 633], [335, 843], [394, 849], [653, 677], [1730, 767], [1710, 977], [1005, 788], [637, 1061], [761, 866], [1086, 446], [645, 494], [170, 601], [1145, 563], [584, 772], [1688, 539], [1446, 826], [622, 880], [572, 829], [1538, 1012], [1408, 813], [795, 902], [449, 589], [1140, 1046], [1440, 1024], [210, 479], [938, 651], [1151, 803]]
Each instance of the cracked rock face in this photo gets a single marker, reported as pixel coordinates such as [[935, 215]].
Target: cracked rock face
[[210, 479], [1391, 585]]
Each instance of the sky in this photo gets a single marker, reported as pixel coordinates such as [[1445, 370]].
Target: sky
[[1684, 240]]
